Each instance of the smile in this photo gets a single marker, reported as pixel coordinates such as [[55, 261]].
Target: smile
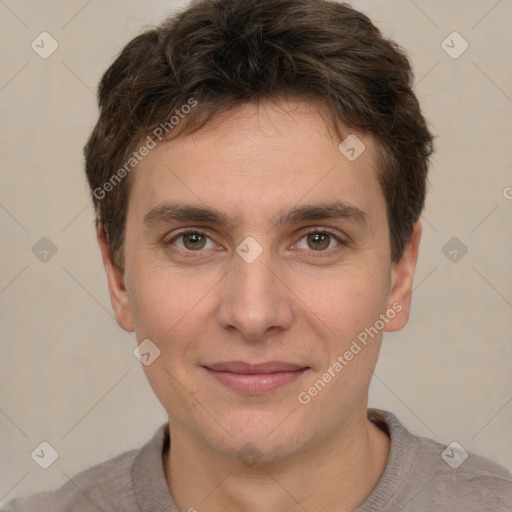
[[255, 379]]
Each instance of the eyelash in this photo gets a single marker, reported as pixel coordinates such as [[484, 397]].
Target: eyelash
[[190, 254]]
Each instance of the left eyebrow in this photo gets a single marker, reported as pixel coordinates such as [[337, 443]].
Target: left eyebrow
[[185, 212], [338, 210]]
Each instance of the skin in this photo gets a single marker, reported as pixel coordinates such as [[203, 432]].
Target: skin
[[295, 303]]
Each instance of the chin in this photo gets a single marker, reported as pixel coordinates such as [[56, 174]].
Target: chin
[[268, 436]]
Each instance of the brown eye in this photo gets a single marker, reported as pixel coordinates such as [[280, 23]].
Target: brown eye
[[190, 241], [194, 241], [318, 241]]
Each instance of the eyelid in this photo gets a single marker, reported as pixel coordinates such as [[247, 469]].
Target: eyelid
[[185, 231], [323, 229]]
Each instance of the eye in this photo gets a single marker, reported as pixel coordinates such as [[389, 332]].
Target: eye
[[320, 239], [195, 240], [192, 240]]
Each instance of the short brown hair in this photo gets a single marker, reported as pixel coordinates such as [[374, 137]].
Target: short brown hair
[[223, 53]]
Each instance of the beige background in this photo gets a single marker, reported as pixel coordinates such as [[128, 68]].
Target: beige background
[[68, 375]]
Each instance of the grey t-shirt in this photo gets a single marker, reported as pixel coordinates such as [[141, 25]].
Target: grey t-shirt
[[420, 475]]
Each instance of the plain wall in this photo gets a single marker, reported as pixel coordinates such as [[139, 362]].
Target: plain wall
[[68, 374]]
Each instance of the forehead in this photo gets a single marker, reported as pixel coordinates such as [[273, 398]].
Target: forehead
[[256, 160]]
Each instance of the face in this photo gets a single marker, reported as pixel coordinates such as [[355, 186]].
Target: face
[[257, 261]]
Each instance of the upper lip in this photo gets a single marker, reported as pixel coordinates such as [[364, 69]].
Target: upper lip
[[246, 368]]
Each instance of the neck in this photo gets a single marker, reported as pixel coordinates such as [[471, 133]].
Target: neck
[[336, 474]]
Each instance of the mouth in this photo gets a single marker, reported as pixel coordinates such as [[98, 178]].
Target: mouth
[[255, 378]]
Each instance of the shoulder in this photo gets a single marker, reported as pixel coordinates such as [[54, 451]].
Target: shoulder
[[90, 490], [425, 474], [465, 477], [105, 486]]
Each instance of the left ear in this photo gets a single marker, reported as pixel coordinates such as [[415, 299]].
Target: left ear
[[402, 276]]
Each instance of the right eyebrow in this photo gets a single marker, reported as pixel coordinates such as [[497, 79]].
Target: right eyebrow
[[184, 212]]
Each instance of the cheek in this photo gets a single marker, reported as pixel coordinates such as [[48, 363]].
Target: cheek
[[351, 307], [169, 312], [169, 309], [347, 303]]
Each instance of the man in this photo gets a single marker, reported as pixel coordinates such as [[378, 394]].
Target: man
[[258, 172]]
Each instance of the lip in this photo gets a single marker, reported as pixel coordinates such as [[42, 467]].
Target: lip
[[255, 378]]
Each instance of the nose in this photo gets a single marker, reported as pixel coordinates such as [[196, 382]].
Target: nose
[[255, 300]]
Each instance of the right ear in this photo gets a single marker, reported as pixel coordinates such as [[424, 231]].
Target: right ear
[[116, 285]]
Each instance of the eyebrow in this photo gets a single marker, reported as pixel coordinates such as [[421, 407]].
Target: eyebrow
[[185, 212]]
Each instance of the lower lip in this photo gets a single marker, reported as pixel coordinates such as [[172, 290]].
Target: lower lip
[[256, 383]]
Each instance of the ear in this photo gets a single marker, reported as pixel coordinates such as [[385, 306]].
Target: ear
[[116, 285], [402, 275]]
